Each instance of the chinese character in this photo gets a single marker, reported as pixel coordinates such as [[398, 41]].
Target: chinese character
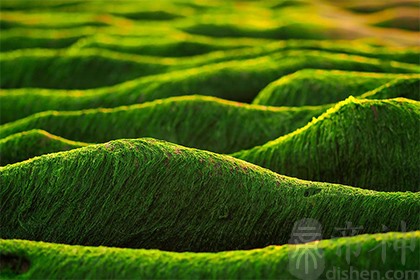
[[306, 259], [349, 230]]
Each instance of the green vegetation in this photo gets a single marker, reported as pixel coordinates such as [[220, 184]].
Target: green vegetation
[[72, 70], [154, 194], [315, 87], [19, 38], [247, 76], [256, 92], [179, 46], [24, 145], [363, 143], [195, 121], [90, 68], [32, 260], [174, 47]]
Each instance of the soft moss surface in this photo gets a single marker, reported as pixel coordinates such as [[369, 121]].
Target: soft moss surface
[[363, 143], [233, 80], [34, 260], [72, 70], [16, 40], [195, 121], [180, 46], [24, 38], [195, 45], [182, 72], [401, 87], [91, 68], [315, 87], [153, 194], [28, 144]]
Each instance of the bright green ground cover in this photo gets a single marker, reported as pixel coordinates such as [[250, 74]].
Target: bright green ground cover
[[315, 87], [70, 55], [30, 260], [195, 121], [363, 143], [91, 68], [153, 194], [247, 77], [28, 144]]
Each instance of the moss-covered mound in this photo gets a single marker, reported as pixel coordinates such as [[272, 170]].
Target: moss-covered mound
[[195, 121], [230, 48], [72, 70], [18, 38], [32, 260], [28, 144], [401, 87], [363, 143], [233, 80], [91, 68], [153, 194], [179, 46], [315, 87]]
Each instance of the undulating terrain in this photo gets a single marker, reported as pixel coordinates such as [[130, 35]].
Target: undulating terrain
[[193, 139]]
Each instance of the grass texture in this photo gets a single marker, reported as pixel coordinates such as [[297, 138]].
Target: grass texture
[[32, 260], [153, 194], [247, 76], [93, 68], [363, 143], [195, 45], [28, 144], [180, 139], [182, 44], [195, 121], [315, 87]]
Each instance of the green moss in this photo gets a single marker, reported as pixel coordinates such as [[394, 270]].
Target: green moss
[[159, 41], [179, 46], [92, 68], [363, 143], [33, 260], [48, 20], [315, 87], [16, 40], [13, 5], [72, 69], [283, 31], [24, 38], [195, 121], [28, 144], [153, 194], [401, 87], [233, 80]]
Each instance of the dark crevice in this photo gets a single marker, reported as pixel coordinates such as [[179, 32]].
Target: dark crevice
[[14, 263]]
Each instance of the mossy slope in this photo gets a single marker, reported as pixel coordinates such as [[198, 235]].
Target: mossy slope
[[315, 87], [234, 80], [180, 46], [195, 121], [78, 262], [363, 143], [73, 70], [28, 144], [154, 194], [91, 68]]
